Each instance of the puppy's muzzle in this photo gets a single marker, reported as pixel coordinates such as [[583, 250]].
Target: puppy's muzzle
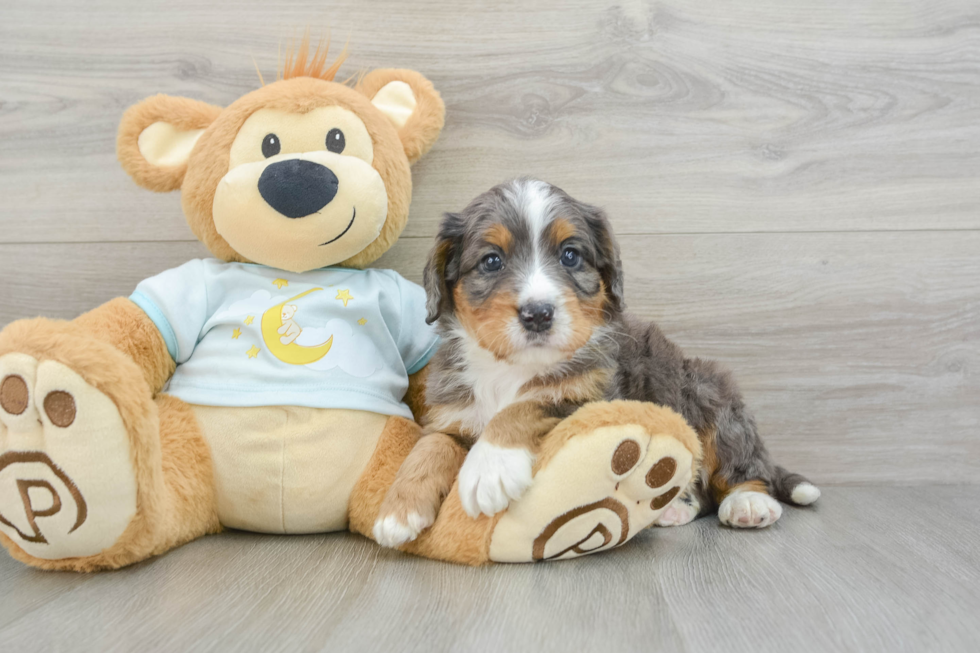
[[297, 188], [537, 317]]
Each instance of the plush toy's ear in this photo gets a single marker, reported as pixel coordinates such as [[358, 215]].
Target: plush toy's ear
[[412, 105], [156, 137]]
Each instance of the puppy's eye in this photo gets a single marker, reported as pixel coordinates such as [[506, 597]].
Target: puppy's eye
[[491, 263], [336, 141], [270, 145], [570, 257]]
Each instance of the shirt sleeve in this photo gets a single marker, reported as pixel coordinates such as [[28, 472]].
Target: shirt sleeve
[[417, 341], [177, 302]]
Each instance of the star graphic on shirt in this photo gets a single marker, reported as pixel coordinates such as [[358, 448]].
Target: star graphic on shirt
[[279, 283], [344, 296], [362, 321], [253, 352], [249, 319], [235, 334]]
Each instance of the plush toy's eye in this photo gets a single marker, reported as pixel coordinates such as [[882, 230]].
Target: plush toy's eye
[[270, 145], [570, 257], [336, 141], [491, 263]]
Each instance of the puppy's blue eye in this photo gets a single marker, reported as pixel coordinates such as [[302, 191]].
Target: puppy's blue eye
[[492, 263], [570, 257]]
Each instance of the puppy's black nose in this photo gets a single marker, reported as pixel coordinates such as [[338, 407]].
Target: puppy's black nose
[[537, 316], [297, 187]]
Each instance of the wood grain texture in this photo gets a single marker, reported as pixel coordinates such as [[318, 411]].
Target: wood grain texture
[[795, 188], [860, 353], [678, 117], [868, 569]]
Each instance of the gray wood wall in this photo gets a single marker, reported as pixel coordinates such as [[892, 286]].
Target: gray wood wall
[[796, 184]]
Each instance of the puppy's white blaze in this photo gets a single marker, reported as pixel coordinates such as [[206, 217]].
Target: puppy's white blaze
[[748, 509], [492, 477], [535, 201], [539, 287], [805, 493], [392, 533]]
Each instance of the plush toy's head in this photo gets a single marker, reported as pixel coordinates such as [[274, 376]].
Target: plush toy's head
[[300, 174]]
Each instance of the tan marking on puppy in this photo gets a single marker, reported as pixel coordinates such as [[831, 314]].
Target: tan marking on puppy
[[585, 316], [488, 323], [717, 484], [750, 486], [442, 419], [423, 481], [560, 230], [500, 236], [583, 388], [519, 425]]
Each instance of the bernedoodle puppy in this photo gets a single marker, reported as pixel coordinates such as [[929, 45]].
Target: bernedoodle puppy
[[527, 287]]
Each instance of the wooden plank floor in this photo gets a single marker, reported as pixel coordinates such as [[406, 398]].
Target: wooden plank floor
[[796, 186], [869, 569]]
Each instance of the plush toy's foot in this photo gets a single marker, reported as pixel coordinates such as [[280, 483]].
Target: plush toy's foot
[[604, 474], [67, 484], [82, 484]]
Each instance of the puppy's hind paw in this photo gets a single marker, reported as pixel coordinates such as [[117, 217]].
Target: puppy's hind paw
[[749, 509], [677, 513]]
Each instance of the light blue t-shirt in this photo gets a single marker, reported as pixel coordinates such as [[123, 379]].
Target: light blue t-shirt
[[249, 335]]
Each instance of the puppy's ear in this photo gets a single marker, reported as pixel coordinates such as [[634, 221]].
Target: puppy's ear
[[608, 261], [412, 105], [156, 138], [442, 270]]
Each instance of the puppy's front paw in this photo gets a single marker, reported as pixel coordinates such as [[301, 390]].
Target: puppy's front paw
[[393, 531], [749, 510], [492, 477]]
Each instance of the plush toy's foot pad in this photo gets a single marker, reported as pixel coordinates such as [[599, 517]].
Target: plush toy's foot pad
[[67, 485], [599, 490]]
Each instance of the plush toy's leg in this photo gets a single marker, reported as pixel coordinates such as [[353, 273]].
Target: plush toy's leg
[[94, 473], [602, 475]]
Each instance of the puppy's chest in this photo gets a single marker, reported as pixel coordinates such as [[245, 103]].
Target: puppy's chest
[[493, 387]]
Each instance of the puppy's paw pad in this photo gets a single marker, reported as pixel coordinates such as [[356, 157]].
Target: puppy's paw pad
[[392, 532], [749, 509], [492, 477]]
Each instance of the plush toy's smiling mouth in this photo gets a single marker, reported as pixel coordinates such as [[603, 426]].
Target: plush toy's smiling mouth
[[346, 229]]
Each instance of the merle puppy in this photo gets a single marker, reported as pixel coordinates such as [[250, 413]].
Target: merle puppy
[[527, 287]]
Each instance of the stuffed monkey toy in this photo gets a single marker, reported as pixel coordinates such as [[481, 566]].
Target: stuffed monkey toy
[[275, 387]]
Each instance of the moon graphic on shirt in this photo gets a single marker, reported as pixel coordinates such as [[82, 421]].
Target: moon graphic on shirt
[[292, 353]]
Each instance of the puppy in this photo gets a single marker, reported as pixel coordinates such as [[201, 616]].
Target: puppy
[[527, 287]]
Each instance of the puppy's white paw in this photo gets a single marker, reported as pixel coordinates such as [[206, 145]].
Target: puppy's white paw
[[393, 532], [492, 477], [678, 513], [747, 509]]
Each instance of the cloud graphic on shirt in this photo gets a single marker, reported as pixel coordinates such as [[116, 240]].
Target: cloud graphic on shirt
[[258, 303], [353, 352]]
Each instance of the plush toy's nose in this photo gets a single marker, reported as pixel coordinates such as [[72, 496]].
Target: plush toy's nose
[[297, 187]]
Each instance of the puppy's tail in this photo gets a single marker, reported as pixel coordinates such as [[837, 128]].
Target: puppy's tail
[[794, 488]]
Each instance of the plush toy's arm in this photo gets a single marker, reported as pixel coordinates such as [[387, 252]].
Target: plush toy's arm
[[415, 396], [124, 325]]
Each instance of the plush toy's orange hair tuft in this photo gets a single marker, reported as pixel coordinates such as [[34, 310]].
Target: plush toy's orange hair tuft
[[298, 65]]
